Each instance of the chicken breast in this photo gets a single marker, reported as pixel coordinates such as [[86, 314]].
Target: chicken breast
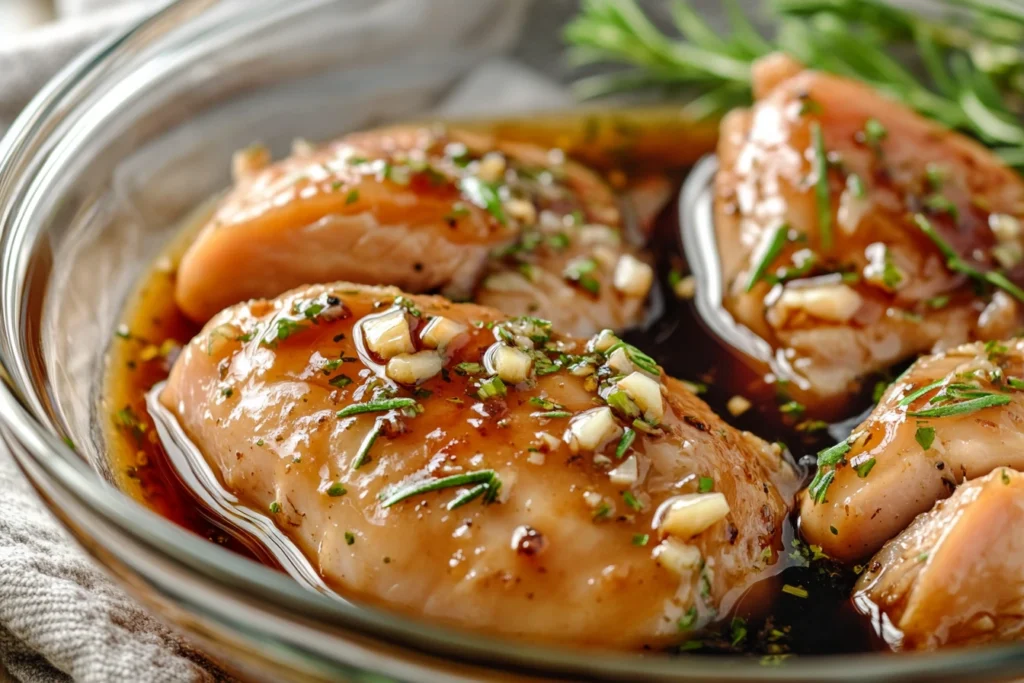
[[854, 233], [424, 209], [956, 575], [953, 416], [446, 461]]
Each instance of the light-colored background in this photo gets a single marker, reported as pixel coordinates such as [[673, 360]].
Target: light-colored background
[[18, 15]]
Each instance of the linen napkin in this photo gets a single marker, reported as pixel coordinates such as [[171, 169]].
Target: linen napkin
[[61, 618]]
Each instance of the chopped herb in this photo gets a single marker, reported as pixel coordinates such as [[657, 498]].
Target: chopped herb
[[792, 408], [363, 454], [631, 501], [828, 458], [376, 406], [809, 106], [864, 469], [769, 254], [963, 407], [691, 645], [558, 241], [578, 270], [879, 391], [552, 414], [939, 203], [856, 185], [491, 387], [636, 357], [488, 478], [622, 404], [259, 442], [955, 263], [875, 132], [822, 193], [738, 628], [603, 511], [1004, 476], [833, 530], [408, 305], [284, 328], [922, 557], [892, 276], [937, 302], [641, 539], [275, 507], [464, 369], [545, 404], [123, 332], [350, 538], [925, 436], [340, 381], [910, 398], [796, 591], [352, 197], [628, 436], [227, 392], [688, 620], [935, 174], [483, 195], [811, 426], [705, 484]]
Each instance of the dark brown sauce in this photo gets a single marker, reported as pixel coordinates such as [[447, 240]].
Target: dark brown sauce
[[822, 623]]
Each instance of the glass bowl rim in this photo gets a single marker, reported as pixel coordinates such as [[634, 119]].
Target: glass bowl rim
[[214, 565]]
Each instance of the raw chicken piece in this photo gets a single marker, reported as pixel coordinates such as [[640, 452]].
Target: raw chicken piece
[[956, 575], [953, 416], [845, 275], [423, 209], [564, 527]]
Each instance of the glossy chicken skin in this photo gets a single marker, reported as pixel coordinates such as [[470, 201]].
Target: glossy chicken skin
[[572, 547], [424, 209], [921, 441], [956, 575], [854, 283]]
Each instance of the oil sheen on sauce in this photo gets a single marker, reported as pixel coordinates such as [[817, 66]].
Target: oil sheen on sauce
[[153, 331]]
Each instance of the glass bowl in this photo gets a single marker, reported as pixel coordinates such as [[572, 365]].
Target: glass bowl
[[96, 175]]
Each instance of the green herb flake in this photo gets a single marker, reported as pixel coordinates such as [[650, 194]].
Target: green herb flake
[[487, 478], [641, 539], [822, 193], [492, 387], [631, 501], [340, 381], [688, 620], [925, 436], [963, 407], [336, 489], [628, 436], [275, 507], [376, 406], [484, 195], [768, 255], [874, 132], [864, 469], [352, 197], [705, 484], [350, 538], [795, 591]]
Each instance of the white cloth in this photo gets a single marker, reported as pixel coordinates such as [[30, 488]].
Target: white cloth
[[61, 618]]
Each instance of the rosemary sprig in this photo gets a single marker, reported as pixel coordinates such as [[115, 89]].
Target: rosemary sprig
[[768, 256], [970, 405], [827, 461], [484, 482], [363, 454], [957, 264], [974, 62], [378, 406]]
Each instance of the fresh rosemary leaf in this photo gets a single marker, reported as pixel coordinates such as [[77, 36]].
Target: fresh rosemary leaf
[[363, 454], [913, 396], [378, 406], [963, 407], [768, 256], [485, 477]]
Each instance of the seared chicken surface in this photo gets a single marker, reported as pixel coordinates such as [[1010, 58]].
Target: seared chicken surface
[[953, 416], [447, 461], [854, 233], [424, 209], [956, 575]]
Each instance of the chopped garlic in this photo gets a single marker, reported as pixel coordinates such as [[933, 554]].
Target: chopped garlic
[[536, 458], [852, 209], [686, 288], [738, 405], [594, 234], [646, 393], [633, 277], [593, 498], [582, 369], [1006, 228], [1008, 254], [549, 441], [625, 474], [509, 363], [414, 368], [440, 332], [693, 513], [521, 210], [507, 281], [591, 430], [602, 341], [387, 335], [832, 302], [619, 362], [491, 168], [677, 557]]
